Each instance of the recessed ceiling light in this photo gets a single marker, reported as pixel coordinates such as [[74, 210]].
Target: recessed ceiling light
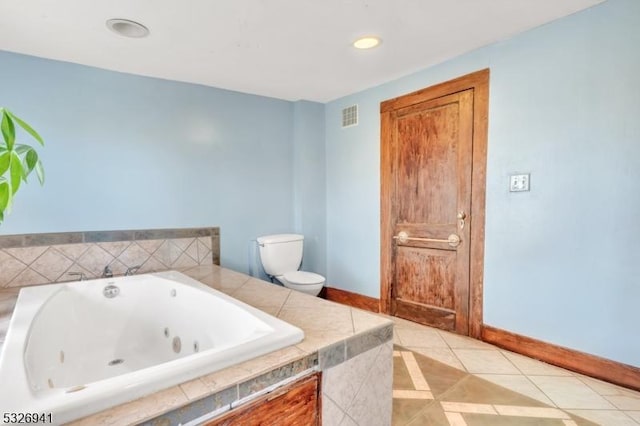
[[127, 28], [368, 42]]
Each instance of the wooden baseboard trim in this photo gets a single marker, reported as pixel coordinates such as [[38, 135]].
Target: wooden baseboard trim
[[580, 362], [351, 299]]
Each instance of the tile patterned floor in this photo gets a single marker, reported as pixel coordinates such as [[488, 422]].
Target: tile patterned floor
[[427, 392], [454, 383]]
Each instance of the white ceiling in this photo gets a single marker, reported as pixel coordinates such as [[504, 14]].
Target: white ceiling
[[288, 49]]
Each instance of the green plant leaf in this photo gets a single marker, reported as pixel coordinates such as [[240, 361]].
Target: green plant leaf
[[8, 130], [21, 148], [31, 159], [17, 161], [15, 171], [25, 170], [5, 160], [26, 127], [40, 172], [5, 195]]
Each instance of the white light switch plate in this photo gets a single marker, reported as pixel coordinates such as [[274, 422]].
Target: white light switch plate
[[519, 183]]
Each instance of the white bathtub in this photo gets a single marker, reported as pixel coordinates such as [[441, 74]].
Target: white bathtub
[[72, 351]]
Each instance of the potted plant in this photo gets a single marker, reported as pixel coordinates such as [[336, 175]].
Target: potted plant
[[17, 160]]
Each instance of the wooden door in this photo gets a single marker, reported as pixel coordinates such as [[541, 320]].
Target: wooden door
[[428, 149]]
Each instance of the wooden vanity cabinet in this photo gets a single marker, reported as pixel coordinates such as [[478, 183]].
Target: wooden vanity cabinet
[[295, 404]]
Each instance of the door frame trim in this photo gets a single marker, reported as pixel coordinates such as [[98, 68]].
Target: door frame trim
[[479, 82]]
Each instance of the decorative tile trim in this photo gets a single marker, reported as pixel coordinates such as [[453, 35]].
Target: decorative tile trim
[[33, 259], [353, 346], [48, 239], [363, 342], [194, 410], [332, 355], [272, 377], [227, 397]]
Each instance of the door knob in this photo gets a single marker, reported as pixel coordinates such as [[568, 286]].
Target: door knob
[[454, 240]]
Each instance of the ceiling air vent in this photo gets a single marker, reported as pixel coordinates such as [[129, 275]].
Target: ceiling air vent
[[350, 116]]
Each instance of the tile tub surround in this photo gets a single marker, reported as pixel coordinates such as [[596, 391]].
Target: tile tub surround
[[334, 334], [32, 259]]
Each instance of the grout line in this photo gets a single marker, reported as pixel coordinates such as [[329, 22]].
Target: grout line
[[8, 283], [24, 263], [428, 403], [596, 410], [366, 376], [581, 383], [620, 391], [353, 324], [87, 246], [569, 373], [553, 403], [460, 361], [455, 419], [194, 241], [59, 277], [397, 335], [350, 418], [66, 271], [324, 395], [502, 352], [183, 392], [632, 419], [237, 289], [286, 299], [100, 244]]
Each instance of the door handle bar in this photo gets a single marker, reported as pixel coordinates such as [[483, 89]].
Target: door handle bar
[[453, 240]]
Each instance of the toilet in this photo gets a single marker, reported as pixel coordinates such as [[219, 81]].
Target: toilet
[[281, 256]]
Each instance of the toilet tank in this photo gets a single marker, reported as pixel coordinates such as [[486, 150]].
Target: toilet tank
[[280, 253]]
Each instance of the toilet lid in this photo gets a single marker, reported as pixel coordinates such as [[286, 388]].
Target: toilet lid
[[301, 277]]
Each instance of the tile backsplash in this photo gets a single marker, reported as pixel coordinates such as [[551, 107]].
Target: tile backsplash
[[32, 259]]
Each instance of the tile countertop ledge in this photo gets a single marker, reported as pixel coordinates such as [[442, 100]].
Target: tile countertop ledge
[[334, 333]]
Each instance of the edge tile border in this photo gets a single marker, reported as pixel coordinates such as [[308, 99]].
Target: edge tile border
[[56, 238], [225, 399], [353, 346]]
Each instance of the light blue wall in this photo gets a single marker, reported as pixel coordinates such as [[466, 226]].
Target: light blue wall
[[309, 188], [562, 261], [127, 152]]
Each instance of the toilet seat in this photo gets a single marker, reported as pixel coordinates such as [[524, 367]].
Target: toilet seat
[[306, 282], [303, 278]]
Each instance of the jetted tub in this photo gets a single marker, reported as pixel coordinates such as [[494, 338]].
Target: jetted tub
[[77, 348]]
